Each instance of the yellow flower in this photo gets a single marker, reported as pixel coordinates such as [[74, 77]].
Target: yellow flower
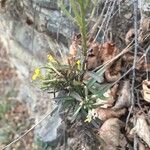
[[34, 76], [37, 73], [78, 62], [51, 58]]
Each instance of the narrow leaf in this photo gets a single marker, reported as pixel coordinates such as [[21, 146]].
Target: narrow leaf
[[76, 12], [100, 92], [95, 76], [76, 96], [66, 12], [76, 112]]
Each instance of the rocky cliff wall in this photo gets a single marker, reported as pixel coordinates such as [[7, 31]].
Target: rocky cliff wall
[[28, 32]]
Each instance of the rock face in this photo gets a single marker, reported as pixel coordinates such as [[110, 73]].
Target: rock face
[[44, 16], [28, 31]]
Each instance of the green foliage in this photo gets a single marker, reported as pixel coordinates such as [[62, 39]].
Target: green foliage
[[81, 96], [79, 9]]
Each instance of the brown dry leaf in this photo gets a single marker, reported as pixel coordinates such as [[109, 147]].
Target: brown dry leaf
[[76, 41], [106, 113], [144, 30], [114, 91], [110, 134], [93, 49], [106, 103], [124, 99], [93, 59], [111, 95], [140, 65], [113, 72], [110, 76], [71, 60], [141, 146], [129, 36], [146, 67], [92, 63], [129, 57], [100, 53], [146, 90], [108, 51], [142, 129], [73, 49], [145, 24]]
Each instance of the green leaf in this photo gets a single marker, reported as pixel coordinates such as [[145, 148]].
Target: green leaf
[[101, 86], [76, 11], [63, 8], [76, 96], [77, 110], [64, 98], [95, 77], [63, 67], [48, 81], [87, 2], [51, 66], [65, 101], [54, 110], [96, 105], [99, 93], [68, 104]]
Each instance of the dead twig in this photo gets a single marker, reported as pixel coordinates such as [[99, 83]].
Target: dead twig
[[98, 22], [21, 136]]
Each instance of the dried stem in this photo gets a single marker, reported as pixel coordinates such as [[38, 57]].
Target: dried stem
[[98, 22], [20, 137]]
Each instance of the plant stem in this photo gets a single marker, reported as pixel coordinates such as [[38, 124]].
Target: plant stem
[[83, 31]]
